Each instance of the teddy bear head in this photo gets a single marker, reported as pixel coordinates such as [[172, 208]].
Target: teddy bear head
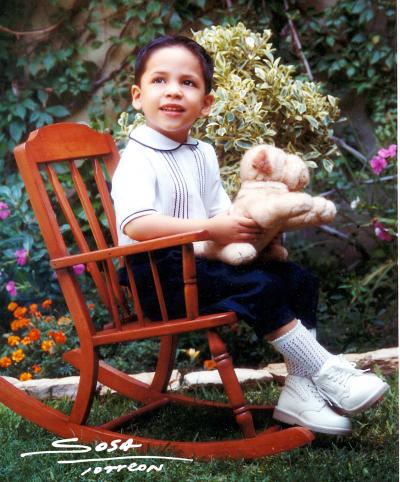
[[269, 163]]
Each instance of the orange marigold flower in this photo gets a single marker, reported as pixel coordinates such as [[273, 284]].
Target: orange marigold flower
[[12, 306], [25, 376], [47, 303], [34, 334], [13, 340], [26, 340], [33, 308], [18, 355], [5, 362], [36, 368], [58, 337], [20, 312], [47, 345], [21, 323], [210, 364]]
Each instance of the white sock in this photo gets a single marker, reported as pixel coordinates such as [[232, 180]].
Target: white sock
[[304, 356]]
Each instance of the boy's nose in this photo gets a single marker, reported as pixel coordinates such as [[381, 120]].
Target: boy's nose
[[173, 89]]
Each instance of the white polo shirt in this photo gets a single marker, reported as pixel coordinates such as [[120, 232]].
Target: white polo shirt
[[159, 175]]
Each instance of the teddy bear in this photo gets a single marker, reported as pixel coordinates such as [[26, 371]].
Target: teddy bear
[[270, 193]]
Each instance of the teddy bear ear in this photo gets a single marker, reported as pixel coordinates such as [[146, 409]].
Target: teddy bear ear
[[262, 163]]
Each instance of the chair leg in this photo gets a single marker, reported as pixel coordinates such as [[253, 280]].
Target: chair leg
[[231, 384], [165, 363], [87, 386]]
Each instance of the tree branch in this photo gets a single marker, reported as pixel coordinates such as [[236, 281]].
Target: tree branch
[[380, 179], [339, 234], [297, 43], [102, 80], [39, 31], [341, 143]]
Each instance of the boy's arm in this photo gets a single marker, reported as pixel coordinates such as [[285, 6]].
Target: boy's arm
[[223, 228]]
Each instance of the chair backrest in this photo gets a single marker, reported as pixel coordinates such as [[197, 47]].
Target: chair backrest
[[66, 169]]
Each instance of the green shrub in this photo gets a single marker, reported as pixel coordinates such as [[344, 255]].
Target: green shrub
[[257, 100]]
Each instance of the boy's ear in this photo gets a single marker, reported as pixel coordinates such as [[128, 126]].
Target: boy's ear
[[136, 96], [207, 103]]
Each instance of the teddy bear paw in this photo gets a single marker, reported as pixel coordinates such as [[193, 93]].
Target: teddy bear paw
[[237, 253]]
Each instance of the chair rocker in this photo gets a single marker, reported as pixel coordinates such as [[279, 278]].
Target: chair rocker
[[50, 155]]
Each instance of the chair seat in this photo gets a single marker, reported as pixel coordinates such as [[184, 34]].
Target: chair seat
[[139, 331]]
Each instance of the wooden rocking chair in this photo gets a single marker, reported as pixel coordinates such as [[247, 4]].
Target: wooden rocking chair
[[50, 155]]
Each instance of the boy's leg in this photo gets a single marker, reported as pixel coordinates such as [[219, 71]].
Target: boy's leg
[[304, 356], [253, 294], [302, 290]]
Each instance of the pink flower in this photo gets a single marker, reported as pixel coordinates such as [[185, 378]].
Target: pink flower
[[22, 256], [78, 269], [10, 287], [378, 164], [391, 151], [380, 231], [4, 210]]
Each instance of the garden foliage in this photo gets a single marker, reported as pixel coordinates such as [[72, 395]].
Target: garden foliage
[[36, 338]]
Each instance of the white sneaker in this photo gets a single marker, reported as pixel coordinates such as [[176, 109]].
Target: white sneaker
[[301, 404], [347, 388]]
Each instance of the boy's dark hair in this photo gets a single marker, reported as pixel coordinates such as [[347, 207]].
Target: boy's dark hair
[[171, 41]]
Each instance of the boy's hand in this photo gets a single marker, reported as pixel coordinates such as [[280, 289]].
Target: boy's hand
[[229, 228]]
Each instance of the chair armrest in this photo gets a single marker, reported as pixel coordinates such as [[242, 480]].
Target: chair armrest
[[140, 247]]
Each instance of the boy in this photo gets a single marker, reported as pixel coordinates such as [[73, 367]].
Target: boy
[[168, 183]]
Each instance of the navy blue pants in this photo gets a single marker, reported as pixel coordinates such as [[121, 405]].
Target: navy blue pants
[[266, 296]]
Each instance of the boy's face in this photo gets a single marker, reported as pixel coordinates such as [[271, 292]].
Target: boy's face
[[172, 92]]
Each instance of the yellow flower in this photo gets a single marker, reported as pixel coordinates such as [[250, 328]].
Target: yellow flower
[[25, 376], [12, 306], [18, 355], [192, 353], [13, 340], [47, 345], [5, 362]]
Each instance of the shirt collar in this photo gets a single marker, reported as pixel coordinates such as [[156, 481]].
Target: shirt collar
[[149, 137]]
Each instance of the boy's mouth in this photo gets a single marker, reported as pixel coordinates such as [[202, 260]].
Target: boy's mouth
[[172, 108]]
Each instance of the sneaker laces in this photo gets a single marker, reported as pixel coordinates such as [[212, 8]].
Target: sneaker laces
[[345, 371], [316, 392], [341, 375], [319, 393]]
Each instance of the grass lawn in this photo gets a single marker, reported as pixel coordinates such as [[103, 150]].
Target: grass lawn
[[370, 453]]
